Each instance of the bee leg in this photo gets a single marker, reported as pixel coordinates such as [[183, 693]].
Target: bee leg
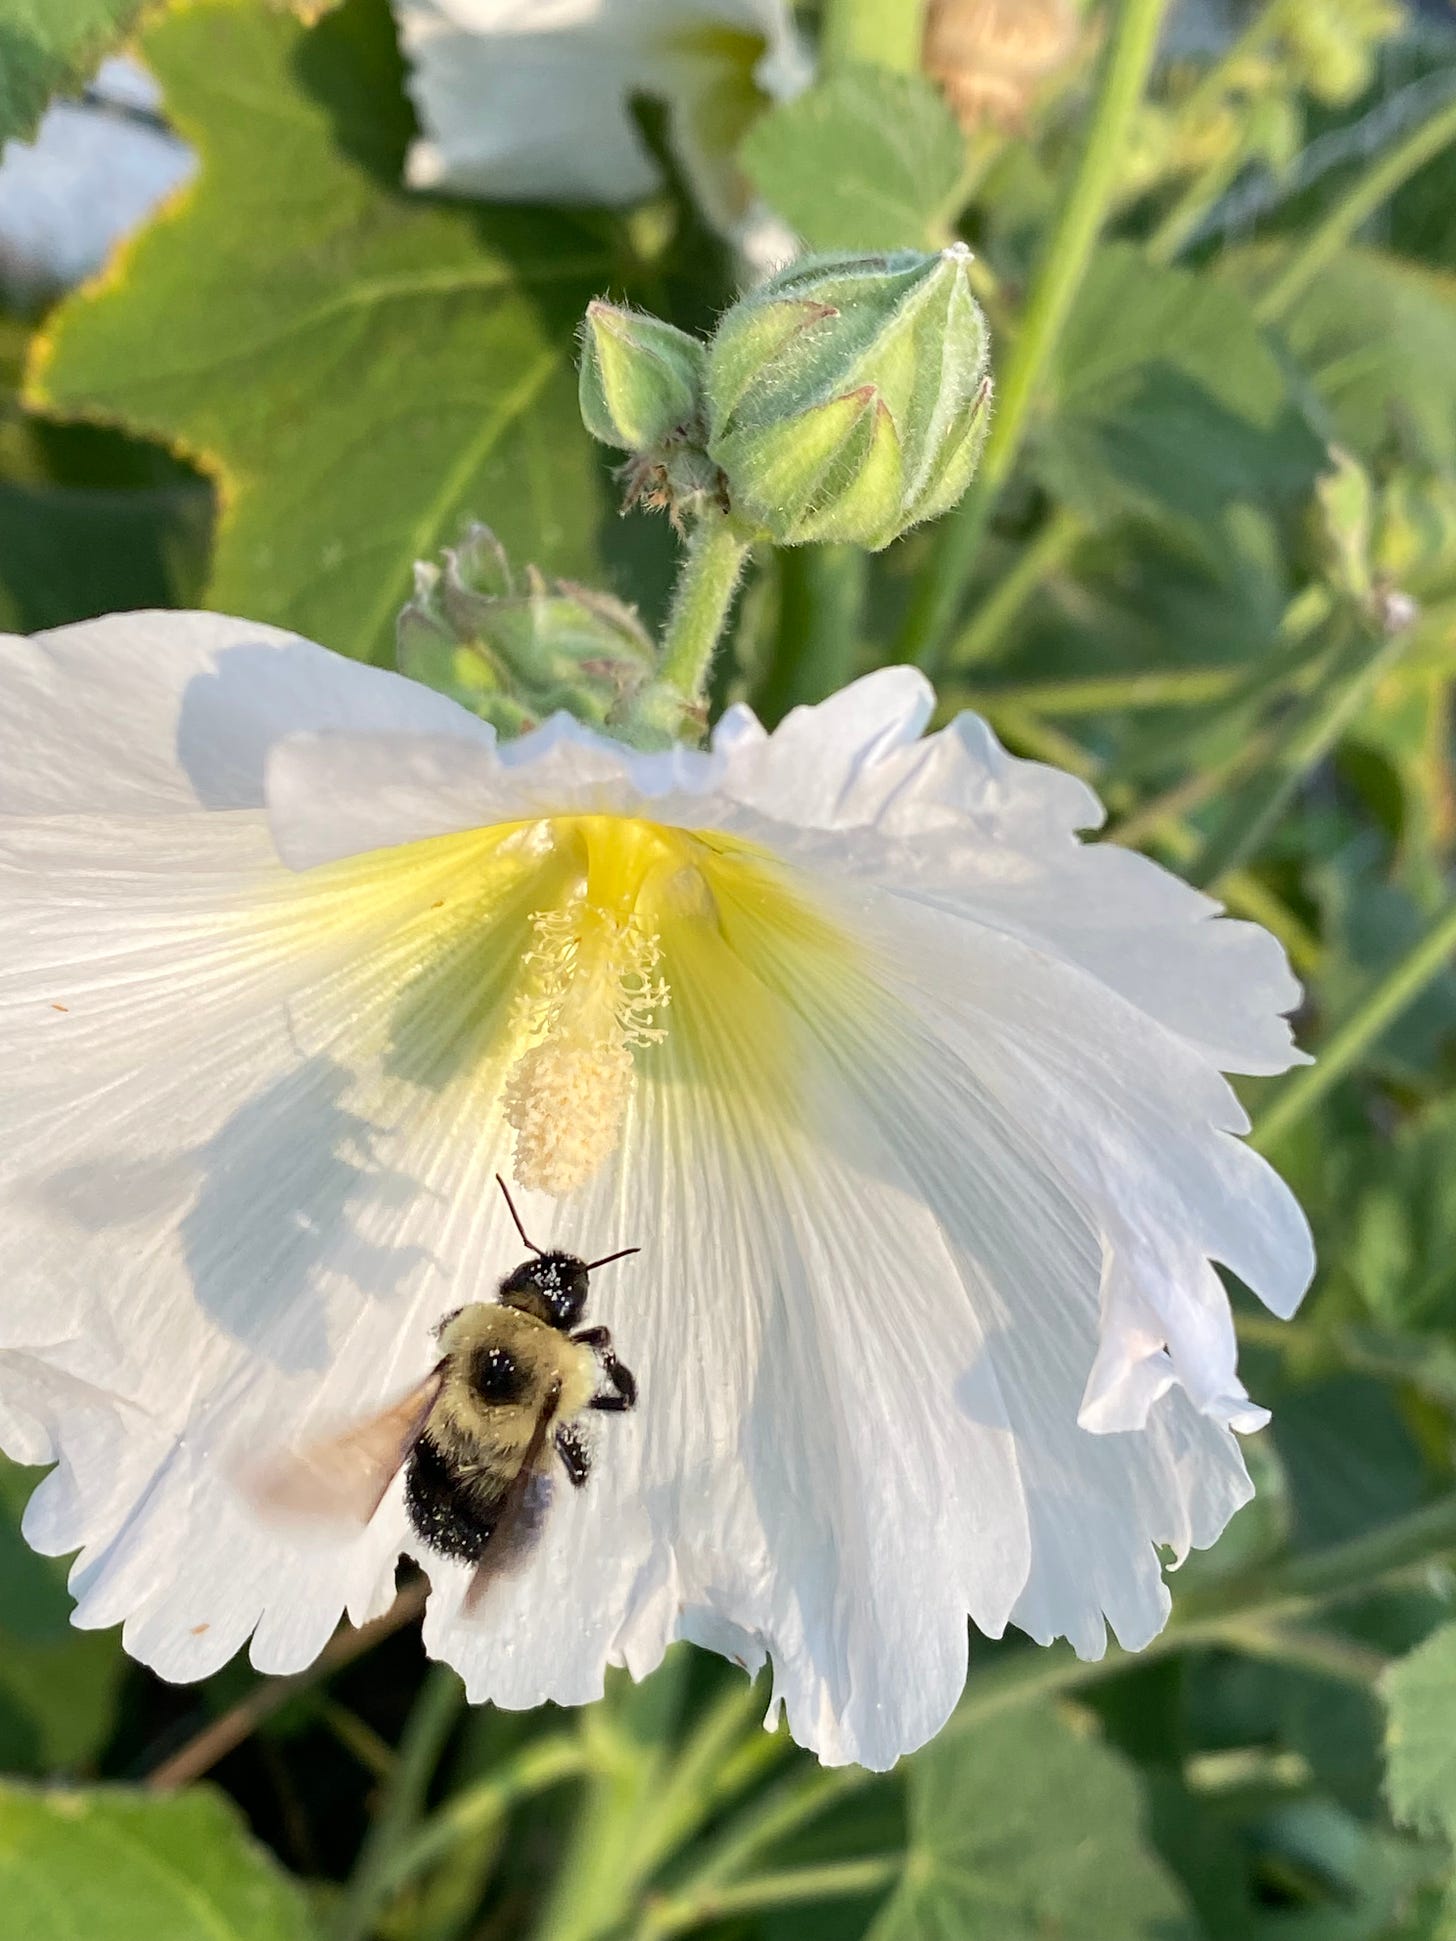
[[574, 1454], [616, 1372], [622, 1379], [625, 1384]]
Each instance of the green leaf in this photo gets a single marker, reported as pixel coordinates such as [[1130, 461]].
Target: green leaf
[[359, 368], [58, 1686], [1420, 1739], [1025, 1828], [51, 46], [1377, 336], [1168, 399], [134, 1866], [1350, 1458], [864, 160], [90, 521]]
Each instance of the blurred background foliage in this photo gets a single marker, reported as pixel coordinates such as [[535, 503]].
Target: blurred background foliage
[[1210, 565]]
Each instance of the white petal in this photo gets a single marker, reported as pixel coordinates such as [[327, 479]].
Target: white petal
[[337, 795], [146, 713], [819, 761], [527, 100], [220, 1219], [90, 176], [820, 1467], [1137, 1124]]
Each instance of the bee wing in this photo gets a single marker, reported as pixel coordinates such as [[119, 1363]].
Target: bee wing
[[345, 1477], [522, 1507]]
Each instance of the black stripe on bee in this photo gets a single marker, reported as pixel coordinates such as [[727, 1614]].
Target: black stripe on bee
[[453, 1517]]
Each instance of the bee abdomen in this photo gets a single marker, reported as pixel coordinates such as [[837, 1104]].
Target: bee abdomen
[[450, 1515]]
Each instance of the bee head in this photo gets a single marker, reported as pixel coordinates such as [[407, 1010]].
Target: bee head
[[552, 1287]]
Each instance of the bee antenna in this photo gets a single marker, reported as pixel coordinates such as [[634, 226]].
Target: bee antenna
[[607, 1259], [516, 1216]]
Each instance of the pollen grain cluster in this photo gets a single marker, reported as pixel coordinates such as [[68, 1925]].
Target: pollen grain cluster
[[592, 995]]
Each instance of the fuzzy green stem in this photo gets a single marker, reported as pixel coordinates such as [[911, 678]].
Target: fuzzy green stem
[[1064, 261], [1253, 812], [816, 640], [707, 581], [881, 33], [1401, 985], [1375, 185], [429, 1726]]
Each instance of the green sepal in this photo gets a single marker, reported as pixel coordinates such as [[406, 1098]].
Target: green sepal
[[640, 379], [516, 648]]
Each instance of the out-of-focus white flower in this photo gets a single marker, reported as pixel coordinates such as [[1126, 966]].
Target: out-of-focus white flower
[[911, 1099], [528, 100], [96, 169]]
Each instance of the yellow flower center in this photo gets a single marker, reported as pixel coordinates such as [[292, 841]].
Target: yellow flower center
[[531, 968]]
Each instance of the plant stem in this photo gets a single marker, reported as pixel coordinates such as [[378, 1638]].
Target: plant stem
[[1325, 1652], [882, 33], [1358, 665], [429, 1725], [1178, 687], [786, 1887], [816, 640], [224, 1735], [690, 1787], [1246, 1615], [1034, 564], [1153, 815], [627, 1738], [1059, 274], [1215, 79], [472, 1813], [706, 583], [1375, 185], [1401, 985], [1173, 232], [768, 1818]]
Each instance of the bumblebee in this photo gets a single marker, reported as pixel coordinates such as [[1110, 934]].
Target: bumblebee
[[479, 1437]]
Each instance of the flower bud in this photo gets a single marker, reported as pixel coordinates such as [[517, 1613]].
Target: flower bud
[[640, 379], [848, 396], [991, 57], [1343, 507], [515, 650], [1415, 537]]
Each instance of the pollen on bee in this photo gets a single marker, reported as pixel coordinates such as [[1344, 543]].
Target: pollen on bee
[[592, 995]]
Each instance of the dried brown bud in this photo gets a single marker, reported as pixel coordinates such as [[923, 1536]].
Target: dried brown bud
[[992, 56]]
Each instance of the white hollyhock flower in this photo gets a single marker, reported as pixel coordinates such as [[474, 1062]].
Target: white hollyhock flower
[[528, 100], [911, 1099], [96, 169]]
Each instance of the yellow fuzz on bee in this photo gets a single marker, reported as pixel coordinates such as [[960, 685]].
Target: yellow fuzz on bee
[[536, 969]]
